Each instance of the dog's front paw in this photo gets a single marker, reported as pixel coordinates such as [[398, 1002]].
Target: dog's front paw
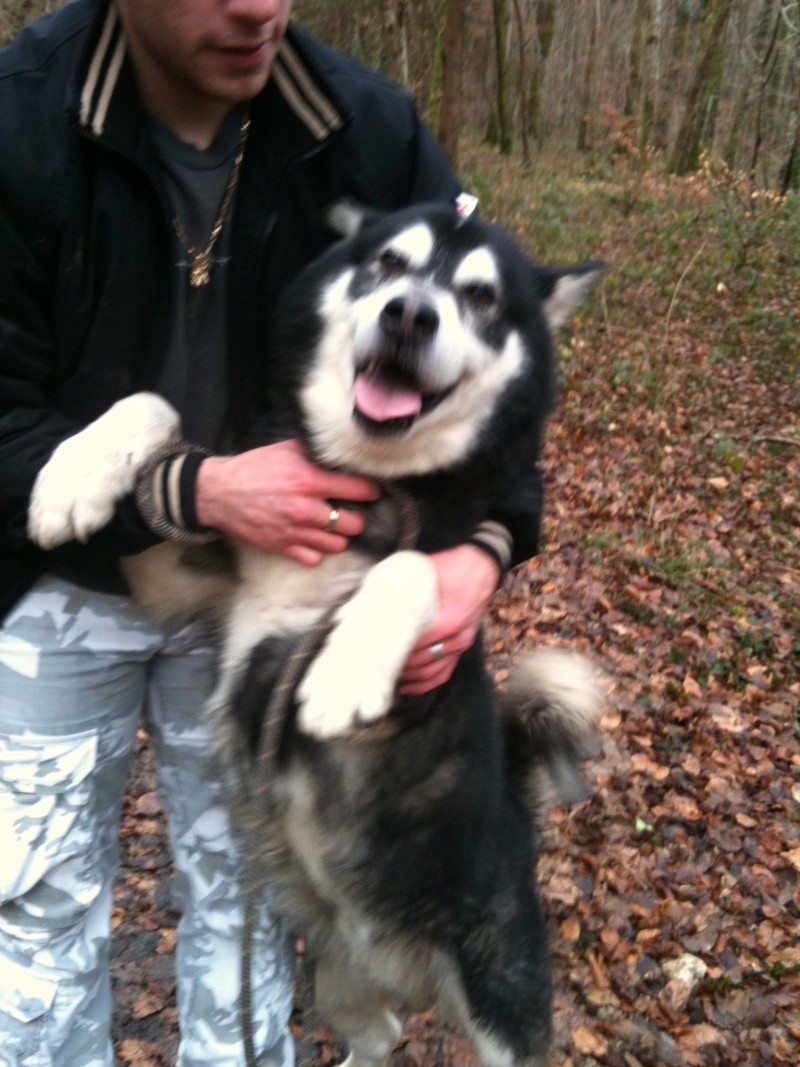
[[63, 507], [352, 681], [77, 490], [345, 687]]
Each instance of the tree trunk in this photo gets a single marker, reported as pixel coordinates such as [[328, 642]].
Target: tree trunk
[[686, 153], [669, 89], [434, 109], [394, 40], [522, 85], [450, 108], [585, 94], [790, 172], [767, 70], [544, 19], [637, 103], [504, 136]]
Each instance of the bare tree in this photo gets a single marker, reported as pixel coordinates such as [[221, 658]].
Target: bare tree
[[544, 22], [395, 36], [452, 59], [505, 137], [771, 13], [686, 151], [584, 94]]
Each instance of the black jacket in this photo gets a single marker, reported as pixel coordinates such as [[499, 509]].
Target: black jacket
[[86, 245]]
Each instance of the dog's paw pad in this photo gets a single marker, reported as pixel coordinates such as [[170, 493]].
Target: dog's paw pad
[[75, 494], [77, 490], [334, 697]]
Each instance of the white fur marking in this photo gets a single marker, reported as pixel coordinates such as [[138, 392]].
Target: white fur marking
[[77, 490], [478, 266], [415, 244], [353, 678]]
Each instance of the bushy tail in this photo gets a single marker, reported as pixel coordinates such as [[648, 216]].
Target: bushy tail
[[549, 709]]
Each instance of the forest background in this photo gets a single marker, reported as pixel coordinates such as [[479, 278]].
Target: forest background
[[662, 136]]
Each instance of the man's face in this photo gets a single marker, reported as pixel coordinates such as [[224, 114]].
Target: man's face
[[211, 50]]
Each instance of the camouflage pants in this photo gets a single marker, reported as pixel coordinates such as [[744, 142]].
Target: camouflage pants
[[76, 671]]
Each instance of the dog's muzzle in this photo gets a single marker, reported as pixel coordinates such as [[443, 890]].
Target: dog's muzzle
[[408, 322], [390, 391]]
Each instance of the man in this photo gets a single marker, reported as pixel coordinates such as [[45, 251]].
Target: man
[[165, 166]]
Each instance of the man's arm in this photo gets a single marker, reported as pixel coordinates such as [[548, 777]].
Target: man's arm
[[30, 427]]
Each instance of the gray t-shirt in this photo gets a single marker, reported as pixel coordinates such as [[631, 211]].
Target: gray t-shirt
[[194, 375]]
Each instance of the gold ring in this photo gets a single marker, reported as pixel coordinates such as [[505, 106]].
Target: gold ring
[[333, 518]]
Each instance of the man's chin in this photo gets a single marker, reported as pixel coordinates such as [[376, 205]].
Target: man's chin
[[239, 76]]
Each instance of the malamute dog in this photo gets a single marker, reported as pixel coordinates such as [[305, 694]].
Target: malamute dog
[[400, 832]]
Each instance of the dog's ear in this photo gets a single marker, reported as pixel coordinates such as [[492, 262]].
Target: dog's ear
[[347, 217], [562, 289]]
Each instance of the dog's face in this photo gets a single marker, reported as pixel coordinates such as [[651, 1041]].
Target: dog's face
[[426, 323]]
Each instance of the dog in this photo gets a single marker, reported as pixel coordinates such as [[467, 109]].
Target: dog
[[400, 832]]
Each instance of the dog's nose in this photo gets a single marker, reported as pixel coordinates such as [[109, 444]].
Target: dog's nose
[[406, 317]]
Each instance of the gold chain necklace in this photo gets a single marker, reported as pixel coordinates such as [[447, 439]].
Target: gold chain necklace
[[200, 260]]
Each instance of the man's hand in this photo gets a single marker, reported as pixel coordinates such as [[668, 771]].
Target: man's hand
[[467, 578], [275, 498]]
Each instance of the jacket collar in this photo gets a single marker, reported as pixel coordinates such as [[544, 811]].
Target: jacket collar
[[106, 77]]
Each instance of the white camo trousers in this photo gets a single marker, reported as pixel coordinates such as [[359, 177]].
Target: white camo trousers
[[77, 670]]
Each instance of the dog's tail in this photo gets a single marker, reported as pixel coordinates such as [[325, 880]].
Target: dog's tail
[[549, 709]]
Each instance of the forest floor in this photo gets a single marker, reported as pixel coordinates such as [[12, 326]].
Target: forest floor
[[672, 556]]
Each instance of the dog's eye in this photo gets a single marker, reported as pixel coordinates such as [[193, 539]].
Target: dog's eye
[[480, 295], [392, 261]]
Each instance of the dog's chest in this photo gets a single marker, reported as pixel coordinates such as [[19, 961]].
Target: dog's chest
[[276, 595]]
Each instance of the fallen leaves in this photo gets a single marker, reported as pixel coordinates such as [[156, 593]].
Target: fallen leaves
[[148, 1002], [587, 1042], [139, 1053]]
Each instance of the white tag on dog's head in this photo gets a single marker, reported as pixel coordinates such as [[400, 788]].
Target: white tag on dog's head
[[466, 205]]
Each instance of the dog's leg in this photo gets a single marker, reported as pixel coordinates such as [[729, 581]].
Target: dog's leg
[[357, 1012], [494, 1053], [496, 983], [77, 490], [353, 679]]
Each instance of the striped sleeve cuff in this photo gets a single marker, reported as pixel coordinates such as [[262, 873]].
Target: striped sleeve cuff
[[495, 539], [165, 492]]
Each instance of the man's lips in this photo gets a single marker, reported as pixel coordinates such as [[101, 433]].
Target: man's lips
[[246, 54]]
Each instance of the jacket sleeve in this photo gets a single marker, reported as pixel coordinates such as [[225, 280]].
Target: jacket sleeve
[[517, 509], [30, 425]]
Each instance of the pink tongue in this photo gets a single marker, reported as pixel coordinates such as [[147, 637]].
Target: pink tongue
[[380, 402]]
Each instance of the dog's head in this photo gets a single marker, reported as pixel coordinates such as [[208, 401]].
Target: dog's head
[[427, 326]]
